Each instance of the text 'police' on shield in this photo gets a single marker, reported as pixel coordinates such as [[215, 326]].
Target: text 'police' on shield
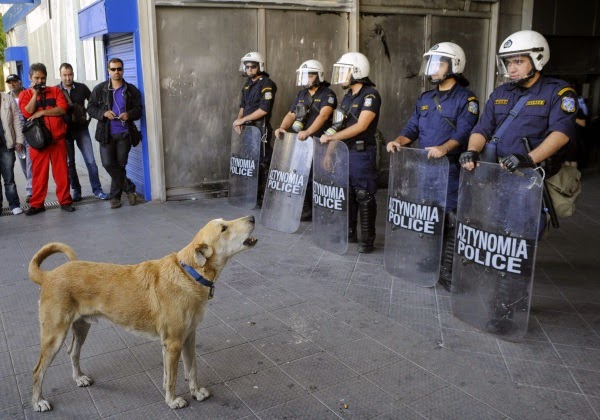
[[329, 196], [287, 182], [241, 166], [416, 217], [502, 253]]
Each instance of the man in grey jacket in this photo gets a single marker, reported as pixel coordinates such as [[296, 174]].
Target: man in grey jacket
[[11, 139]]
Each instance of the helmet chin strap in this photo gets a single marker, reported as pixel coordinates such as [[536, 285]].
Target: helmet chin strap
[[524, 80], [438, 81], [353, 81]]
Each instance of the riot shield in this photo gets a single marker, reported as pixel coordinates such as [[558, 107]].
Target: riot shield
[[287, 183], [415, 216], [496, 241], [243, 167], [330, 196]]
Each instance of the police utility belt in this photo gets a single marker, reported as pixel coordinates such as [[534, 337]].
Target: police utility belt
[[340, 122], [358, 145]]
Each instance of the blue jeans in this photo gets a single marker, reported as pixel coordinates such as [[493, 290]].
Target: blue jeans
[[26, 167], [7, 165], [84, 143]]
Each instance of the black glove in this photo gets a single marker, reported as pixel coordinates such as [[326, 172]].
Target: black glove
[[470, 156], [512, 162]]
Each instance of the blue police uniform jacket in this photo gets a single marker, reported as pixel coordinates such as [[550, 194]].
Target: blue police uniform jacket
[[361, 165], [323, 97], [551, 106], [259, 94], [366, 99], [459, 106]]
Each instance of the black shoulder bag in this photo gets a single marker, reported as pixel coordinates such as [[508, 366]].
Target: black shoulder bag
[[36, 133]]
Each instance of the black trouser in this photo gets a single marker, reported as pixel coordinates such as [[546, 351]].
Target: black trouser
[[114, 155], [73, 177]]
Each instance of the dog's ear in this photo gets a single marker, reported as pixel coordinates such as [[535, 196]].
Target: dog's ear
[[203, 252]]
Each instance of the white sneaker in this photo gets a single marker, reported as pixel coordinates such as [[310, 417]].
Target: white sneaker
[[17, 210]]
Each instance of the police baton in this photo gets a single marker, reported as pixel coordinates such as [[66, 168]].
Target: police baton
[[547, 200]]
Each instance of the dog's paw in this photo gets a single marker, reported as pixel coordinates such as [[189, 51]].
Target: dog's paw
[[83, 380], [177, 403], [42, 405], [201, 394]]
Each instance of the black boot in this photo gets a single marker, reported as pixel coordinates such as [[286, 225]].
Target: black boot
[[448, 250], [505, 300], [352, 217], [263, 172], [306, 215], [367, 207]]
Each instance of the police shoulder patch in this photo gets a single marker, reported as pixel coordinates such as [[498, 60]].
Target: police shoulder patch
[[268, 96], [330, 100], [473, 107], [368, 101], [567, 104]]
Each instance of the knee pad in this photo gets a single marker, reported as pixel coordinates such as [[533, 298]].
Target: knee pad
[[363, 196], [450, 221]]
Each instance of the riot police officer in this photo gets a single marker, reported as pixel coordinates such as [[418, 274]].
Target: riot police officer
[[356, 126], [310, 113], [526, 121], [256, 106], [546, 118], [442, 121]]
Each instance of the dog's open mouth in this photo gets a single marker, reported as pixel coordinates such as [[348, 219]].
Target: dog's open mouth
[[250, 241]]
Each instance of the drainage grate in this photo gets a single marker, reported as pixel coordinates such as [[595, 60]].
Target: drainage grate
[[54, 205]]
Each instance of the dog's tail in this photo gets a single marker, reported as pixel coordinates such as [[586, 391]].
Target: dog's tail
[[35, 272]]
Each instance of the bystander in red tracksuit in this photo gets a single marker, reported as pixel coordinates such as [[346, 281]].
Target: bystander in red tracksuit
[[55, 153]]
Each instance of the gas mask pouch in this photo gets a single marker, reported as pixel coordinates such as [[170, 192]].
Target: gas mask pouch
[[338, 122], [301, 118]]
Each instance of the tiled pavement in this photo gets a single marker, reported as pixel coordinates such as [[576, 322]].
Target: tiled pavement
[[296, 332]]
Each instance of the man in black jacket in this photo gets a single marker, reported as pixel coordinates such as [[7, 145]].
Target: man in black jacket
[[78, 133], [116, 104]]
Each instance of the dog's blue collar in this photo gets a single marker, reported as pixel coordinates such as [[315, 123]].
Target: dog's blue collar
[[198, 277]]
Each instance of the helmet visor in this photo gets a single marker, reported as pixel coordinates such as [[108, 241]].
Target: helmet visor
[[303, 77], [521, 62], [502, 70], [247, 65], [432, 64], [341, 74]]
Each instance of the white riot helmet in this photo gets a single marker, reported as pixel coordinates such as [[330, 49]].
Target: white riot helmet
[[351, 67], [254, 57], [447, 52], [308, 67], [524, 43]]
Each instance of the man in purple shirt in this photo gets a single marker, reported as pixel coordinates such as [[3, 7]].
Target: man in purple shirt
[[116, 104]]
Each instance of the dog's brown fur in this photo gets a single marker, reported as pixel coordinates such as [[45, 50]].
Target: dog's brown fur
[[155, 297]]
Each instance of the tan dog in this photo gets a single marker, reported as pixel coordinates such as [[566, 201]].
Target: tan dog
[[157, 297]]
